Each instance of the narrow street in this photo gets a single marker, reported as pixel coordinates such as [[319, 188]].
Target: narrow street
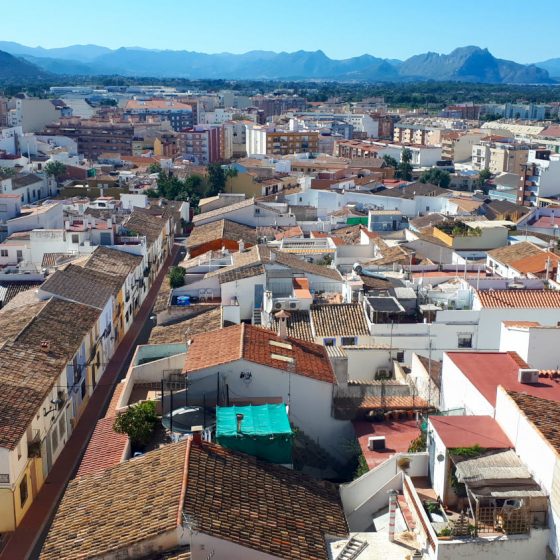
[[26, 541]]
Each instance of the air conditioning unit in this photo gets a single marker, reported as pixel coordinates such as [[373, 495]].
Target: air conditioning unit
[[290, 305], [376, 443], [528, 375], [277, 305], [293, 305]]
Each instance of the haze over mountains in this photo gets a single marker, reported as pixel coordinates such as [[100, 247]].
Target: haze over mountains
[[469, 64]]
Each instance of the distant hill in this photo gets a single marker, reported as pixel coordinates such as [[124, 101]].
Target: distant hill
[[16, 70], [552, 66], [468, 64], [471, 64]]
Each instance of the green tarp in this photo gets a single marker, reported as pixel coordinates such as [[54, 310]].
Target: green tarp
[[357, 220], [265, 431]]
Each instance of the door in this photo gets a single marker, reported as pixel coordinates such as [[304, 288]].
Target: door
[[258, 295]]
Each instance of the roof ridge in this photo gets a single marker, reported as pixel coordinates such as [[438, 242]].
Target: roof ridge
[[184, 482]]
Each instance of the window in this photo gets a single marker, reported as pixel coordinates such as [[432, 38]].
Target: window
[[348, 341], [19, 255], [23, 491], [329, 341], [75, 238], [62, 426], [54, 439], [464, 341], [3, 252], [400, 357]]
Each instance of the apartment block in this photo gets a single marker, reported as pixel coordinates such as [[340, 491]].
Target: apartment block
[[200, 144], [180, 115], [262, 141]]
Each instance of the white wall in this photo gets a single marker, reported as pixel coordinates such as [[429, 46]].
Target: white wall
[[458, 392], [539, 347], [204, 547], [309, 400], [513, 547]]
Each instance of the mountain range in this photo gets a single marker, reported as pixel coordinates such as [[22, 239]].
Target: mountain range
[[468, 64]]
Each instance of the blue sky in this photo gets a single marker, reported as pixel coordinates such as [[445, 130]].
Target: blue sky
[[341, 28]]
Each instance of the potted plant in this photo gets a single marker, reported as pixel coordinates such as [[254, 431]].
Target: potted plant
[[445, 534], [403, 463]]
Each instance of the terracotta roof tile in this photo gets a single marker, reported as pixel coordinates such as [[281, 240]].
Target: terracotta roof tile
[[105, 449], [114, 509], [344, 319], [28, 371], [298, 325], [535, 264], [219, 230], [512, 253], [83, 285], [113, 262], [209, 320], [521, 299], [260, 506], [382, 403], [254, 345], [224, 494], [543, 413]]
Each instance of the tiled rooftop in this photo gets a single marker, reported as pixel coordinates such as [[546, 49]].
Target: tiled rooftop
[[221, 229], [27, 370], [298, 325], [113, 262], [119, 507], [344, 319], [144, 223], [209, 320], [224, 494], [512, 253], [260, 346], [261, 506], [522, 299], [543, 413], [83, 285], [105, 449]]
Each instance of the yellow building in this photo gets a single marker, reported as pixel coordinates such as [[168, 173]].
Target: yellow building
[[44, 379]]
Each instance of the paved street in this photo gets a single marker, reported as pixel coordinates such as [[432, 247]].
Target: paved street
[[25, 542]]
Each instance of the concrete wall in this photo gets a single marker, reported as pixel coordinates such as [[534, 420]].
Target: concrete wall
[[366, 495], [513, 547]]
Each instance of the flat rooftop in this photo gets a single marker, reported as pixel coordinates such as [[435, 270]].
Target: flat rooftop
[[398, 435]]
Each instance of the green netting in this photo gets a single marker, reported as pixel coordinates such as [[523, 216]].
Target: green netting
[[357, 220], [265, 431]]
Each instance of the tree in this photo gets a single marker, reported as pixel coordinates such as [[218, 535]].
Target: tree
[[154, 168], [6, 172], [138, 423], [435, 176], [216, 179], [483, 176], [404, 168], [55, 169], [390, 161], [176, 276]]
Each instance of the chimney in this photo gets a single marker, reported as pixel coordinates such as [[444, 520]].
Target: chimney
[[197, 435], [282, 317], [241, 245], [239, 420], [272, 256], [45, 346]]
